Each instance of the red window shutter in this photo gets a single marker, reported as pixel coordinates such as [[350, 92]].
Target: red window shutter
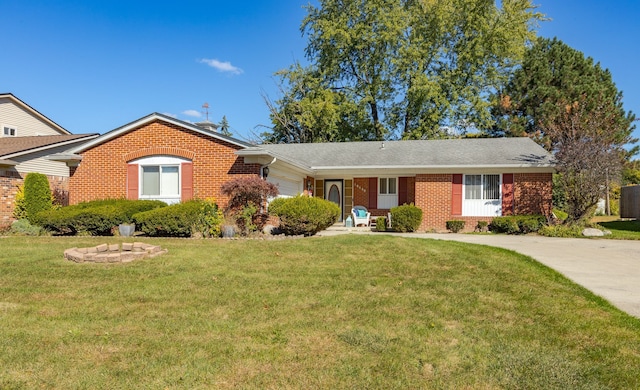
[[373, 193], [402, 190], [456, 195], [507, 194], [187, 182], [132, 181]]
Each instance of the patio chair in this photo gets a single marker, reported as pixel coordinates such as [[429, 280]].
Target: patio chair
[[361, 216]]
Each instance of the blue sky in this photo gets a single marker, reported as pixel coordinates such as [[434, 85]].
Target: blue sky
[[93, 66]]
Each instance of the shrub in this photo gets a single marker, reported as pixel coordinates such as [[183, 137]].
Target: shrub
[[564, 231], [177, 220], [482, 226], [517, 224], [97, 218], [37, 195], [455, 226], [406, 218], [210, 219], [247, 196], [381, 224], [19, 209], [304, 214], [22, 227]]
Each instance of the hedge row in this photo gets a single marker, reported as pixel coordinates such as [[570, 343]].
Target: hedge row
[[517, 224], [181, 220], [97, 218]]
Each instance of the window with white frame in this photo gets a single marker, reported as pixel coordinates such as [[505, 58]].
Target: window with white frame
[[160, 178], [482, 197], [388, 186], [9, 131], [387, 192], [482, 187]]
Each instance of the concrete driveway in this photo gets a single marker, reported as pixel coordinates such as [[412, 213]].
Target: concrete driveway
[[609, 268]]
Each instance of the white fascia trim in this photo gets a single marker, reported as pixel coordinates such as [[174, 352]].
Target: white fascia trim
[[70, 142]]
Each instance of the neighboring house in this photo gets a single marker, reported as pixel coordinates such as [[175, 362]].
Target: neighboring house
[[159, 157], [27, 138]]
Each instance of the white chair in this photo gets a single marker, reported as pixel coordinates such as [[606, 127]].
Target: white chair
[[361, 216]]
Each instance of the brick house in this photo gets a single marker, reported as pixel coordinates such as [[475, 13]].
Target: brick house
[[27, 139], [159, 157]]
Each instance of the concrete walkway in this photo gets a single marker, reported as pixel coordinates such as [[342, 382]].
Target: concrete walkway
[[609, 268]]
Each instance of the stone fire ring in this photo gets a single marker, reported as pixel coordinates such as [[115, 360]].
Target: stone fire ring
[[114, 253]]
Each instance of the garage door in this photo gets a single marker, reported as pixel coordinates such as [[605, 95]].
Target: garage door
[[285, 186]]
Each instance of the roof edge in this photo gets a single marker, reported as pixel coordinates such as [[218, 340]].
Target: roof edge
[[148, 119]]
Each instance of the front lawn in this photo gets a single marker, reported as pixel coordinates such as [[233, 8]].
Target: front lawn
[[622, 230], [331, 312]]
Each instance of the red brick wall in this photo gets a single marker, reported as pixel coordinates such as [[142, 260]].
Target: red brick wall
[[533, 193], [433, 196], [10, 182], [103, 170]]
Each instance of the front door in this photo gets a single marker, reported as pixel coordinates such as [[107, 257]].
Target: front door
[[333, 192]]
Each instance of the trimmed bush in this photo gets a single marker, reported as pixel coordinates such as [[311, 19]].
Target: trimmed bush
[[97, 218], [304, 215], [455, 226], [22, 227], [247, 195], [517, 224], [181, 220], [37, 195], [406, 218], [482, 226], [381, 224]]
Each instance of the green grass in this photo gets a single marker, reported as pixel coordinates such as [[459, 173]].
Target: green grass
[[622, 230], [336, 312]]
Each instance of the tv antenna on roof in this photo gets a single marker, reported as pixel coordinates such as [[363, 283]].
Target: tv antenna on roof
[[206, 109]]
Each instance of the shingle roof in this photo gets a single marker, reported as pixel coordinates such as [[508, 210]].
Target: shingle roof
[[13, 145], [484, 152]]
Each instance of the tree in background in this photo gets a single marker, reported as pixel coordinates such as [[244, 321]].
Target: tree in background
[[551, 76], [400, 67], [224, 127], [588, 145]]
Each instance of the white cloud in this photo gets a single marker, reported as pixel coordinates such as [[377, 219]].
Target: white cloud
[[193, 113], [222, 66]]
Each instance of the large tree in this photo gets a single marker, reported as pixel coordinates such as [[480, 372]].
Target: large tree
[[586, 139], [407, 67], [552, 75]]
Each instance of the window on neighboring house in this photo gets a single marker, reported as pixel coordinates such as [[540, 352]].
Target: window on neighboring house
[[482, 187], [9, 131], [160, 180]]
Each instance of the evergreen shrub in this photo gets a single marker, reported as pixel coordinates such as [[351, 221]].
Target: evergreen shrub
[[97, 218], [37, 195], [517, 224], [455, 225], [304, 215], [406, 218]]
